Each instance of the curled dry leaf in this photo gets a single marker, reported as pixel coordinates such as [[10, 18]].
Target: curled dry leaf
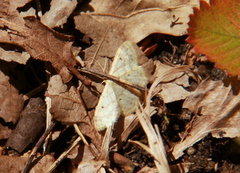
[[176, 82], [219, 107], [124, 7]]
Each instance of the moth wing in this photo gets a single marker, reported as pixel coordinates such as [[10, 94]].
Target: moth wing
[[125, 59], [107, 111], [126, 99]]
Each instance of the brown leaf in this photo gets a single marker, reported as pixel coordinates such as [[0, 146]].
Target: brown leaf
[[114, 22], [66, 104], [19, 3], [88, 129], [67, 107], [16, 164], [11, 103], [173, 81], [38, 40], [58, 13], [125, 7], [5, 131], [219, 113], [13, 55]]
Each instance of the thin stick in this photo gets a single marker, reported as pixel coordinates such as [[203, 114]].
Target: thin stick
[[84, 140], [113, 78], [37, 146], [62, 156]]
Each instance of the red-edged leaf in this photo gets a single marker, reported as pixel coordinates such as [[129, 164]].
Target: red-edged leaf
[[214, 30]]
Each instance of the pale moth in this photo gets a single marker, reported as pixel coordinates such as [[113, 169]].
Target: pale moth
[[115, 100]]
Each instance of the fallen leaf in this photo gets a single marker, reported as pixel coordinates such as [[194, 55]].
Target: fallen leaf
[[219, 113], [19, 3], [66, 104], [168, 89], [59, 12], [176, 82], [16, 164], [39, 41], [115, 99], [32, 38], [112, 23], [13, 55], [92, 166], [124, 7], [11, 102], [214, 31], [147, 169], [5, 131], [67, 107]]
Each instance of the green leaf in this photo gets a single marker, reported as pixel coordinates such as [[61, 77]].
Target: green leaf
[[214, 30]]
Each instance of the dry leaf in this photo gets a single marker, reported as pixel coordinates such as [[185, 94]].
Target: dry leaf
[[5, 131], [124, 163], [19, 3], [16, 164], [114, 22], [67, 107], [219, 113], [10, 99], [124, 7], [175, 82], [66, 104], [13, 55], [59, 12], [39, 41], [92, 166], [147, 169]]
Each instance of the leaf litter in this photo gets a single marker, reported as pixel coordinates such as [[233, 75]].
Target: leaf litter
[[182, 109]]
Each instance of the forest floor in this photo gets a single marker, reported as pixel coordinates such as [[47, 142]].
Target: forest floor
[[54, 64]]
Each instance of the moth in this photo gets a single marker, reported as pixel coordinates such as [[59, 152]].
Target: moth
[[116, 99]]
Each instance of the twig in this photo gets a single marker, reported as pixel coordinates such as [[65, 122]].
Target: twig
[[62, 156], [37, 146], [112, 78]]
